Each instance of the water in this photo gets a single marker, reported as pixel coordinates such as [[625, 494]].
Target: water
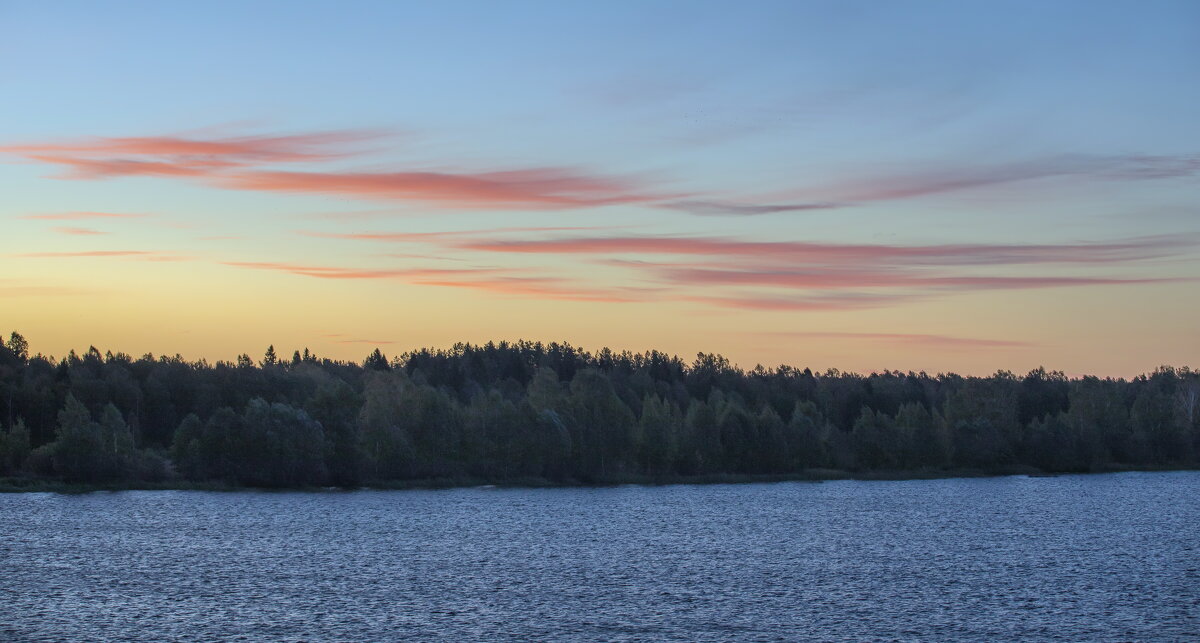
[[1073, 558]]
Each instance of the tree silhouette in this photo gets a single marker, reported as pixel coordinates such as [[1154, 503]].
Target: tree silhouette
[[505, 411]]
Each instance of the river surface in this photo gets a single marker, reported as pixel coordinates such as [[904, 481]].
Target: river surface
[[1074, 558]]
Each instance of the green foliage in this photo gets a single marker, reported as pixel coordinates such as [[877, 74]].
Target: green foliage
[[79, 454], [502, 411], [187, 449], [809, 443], [660, 426], [876, 441], [928, 440], [335, 406], [382, 422], [602, 427], [269, 445], [279, 446], [14, 448], [89, 451], [496, 440]]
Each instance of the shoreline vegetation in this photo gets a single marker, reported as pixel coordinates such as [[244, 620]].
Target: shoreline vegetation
[[50, 485], [551, 415]]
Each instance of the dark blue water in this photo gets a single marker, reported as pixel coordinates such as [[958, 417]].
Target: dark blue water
[[1074, 558]]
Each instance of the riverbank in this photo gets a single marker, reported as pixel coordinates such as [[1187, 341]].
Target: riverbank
[[50, 485]]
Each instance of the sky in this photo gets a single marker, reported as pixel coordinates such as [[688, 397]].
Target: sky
[[938, 186]]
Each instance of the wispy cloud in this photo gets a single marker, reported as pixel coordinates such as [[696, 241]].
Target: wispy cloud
[[250, 163], [339, 272], [546, 288], [724, 208], [939, 180], [96, 158], [838, 276], [410, 255], [531, 188], [833, 278], [140, 255], [930, 341], [491, 280], [90, 253], [78, 216], [799, 252], [77, 231], [448, 234], [826, 302], [90, 168], [245, 163]]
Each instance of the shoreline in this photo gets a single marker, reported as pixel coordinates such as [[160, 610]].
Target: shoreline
[[45, 485]]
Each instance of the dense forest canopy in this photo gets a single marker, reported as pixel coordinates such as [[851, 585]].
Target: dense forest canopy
[[528, 410]]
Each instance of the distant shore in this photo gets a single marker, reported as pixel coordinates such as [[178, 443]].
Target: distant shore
[[49, 485]]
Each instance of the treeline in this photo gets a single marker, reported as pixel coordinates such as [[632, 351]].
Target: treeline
[[527, 410]]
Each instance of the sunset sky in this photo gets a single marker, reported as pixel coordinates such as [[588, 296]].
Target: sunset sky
[[940, 186]]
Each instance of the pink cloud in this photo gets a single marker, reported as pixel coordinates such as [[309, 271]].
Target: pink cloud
[[800, 252], [533, 188], [336, 272], [89, 168], [90, 253], [468, 278], [174, 156], [409, 255], [933, 341], [240, 163], [835, 302], [77, 231], [543, 288], [241, 149], [244, 163], [721, 208], [433, 236], [833, 278], [137, 255]]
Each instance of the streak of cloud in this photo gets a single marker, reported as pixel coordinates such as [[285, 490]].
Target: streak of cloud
[[930, 341], [134, 255], [241, 163], [428, 236], [723, 208], [544, 288], [338, 272], [831, 302], [71, 230], [935, 181], [200, 153], [539, 188], [800, 252], [90, 253], [77, 216], [838, 279]]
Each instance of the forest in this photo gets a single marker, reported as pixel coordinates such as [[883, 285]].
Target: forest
[[551, 413]]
